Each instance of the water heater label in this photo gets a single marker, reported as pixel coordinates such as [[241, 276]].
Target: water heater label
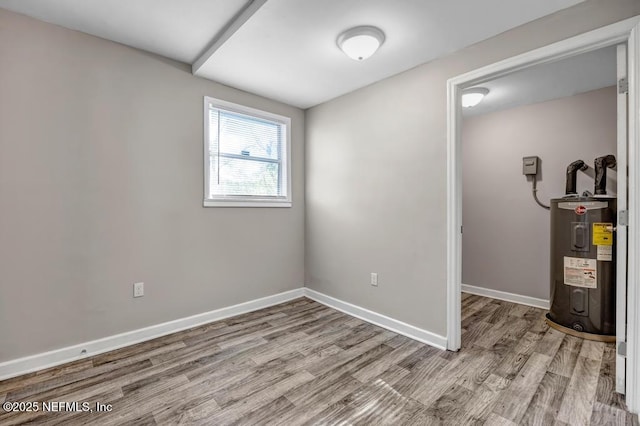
[[583, 207], [580, 272], [603, 234], [605, 253]]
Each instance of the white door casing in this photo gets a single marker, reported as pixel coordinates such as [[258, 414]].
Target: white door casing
[[621, 232], [633, 230]]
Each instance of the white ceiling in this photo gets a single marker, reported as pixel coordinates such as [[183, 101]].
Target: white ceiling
[[176, 29], [286, 50], [568, 77]]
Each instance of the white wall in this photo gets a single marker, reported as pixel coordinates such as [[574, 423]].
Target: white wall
[[101, 186], [376, 175], [505, 244]]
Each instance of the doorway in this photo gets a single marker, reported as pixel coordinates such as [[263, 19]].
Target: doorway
[[552, 115], [623, 32]]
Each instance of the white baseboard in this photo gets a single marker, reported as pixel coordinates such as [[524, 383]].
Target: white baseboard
[[56, 357], [503, 295], [383, 321]]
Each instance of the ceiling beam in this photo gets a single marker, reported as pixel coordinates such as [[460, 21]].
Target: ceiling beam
[[234, 25]]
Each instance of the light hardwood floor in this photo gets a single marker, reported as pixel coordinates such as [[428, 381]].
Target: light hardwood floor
[[304, 363]]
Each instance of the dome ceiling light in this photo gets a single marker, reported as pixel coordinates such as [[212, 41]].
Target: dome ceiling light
[[359, 43], [473, 96]]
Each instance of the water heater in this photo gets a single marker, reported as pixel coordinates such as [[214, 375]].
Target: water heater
[[583, 258]]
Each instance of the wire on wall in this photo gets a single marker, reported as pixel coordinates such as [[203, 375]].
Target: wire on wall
[[534, 191]]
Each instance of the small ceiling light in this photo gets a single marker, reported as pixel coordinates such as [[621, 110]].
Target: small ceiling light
[[360, 42], [472, 97]]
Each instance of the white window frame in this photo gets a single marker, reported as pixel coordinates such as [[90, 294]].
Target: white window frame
[[285, 161]]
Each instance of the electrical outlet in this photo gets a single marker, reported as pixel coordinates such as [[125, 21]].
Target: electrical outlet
[[374, 279], [138, 289]]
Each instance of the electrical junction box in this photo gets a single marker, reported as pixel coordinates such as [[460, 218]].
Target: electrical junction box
[[530, 165]]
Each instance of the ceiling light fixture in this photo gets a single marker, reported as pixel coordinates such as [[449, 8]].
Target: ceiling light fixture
[[472, 97], [360, 42]]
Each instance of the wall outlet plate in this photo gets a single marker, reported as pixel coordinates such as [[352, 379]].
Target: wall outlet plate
[[138, 289], [374, 279]]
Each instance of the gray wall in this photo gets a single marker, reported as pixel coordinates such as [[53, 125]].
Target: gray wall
[[376, 175], [505, 245], [101, 182]]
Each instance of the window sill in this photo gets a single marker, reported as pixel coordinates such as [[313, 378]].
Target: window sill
[[246, 203]]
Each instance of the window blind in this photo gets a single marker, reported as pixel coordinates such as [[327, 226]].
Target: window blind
[[246, 155]]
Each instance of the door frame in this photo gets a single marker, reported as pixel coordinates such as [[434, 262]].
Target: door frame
[[621, 32], [622, 69]]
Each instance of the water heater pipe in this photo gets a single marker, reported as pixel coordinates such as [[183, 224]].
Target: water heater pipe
[[572, 170], [601, 164]]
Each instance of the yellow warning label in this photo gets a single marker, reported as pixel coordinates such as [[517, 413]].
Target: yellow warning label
[[603, 234]]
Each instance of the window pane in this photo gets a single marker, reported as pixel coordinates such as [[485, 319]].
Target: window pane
[[244, 135], [247, 156], [244, 177]]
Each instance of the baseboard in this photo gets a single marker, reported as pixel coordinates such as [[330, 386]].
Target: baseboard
[[383, 321], [56, 357], [503, 295]]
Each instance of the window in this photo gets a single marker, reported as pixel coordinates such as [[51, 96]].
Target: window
[[246, 156]]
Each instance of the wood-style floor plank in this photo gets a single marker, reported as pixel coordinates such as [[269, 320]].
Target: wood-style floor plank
[[608, 415], [486, 396], [579, 397], [565, 360], [605, 393], [518, 395], [303, 363]]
